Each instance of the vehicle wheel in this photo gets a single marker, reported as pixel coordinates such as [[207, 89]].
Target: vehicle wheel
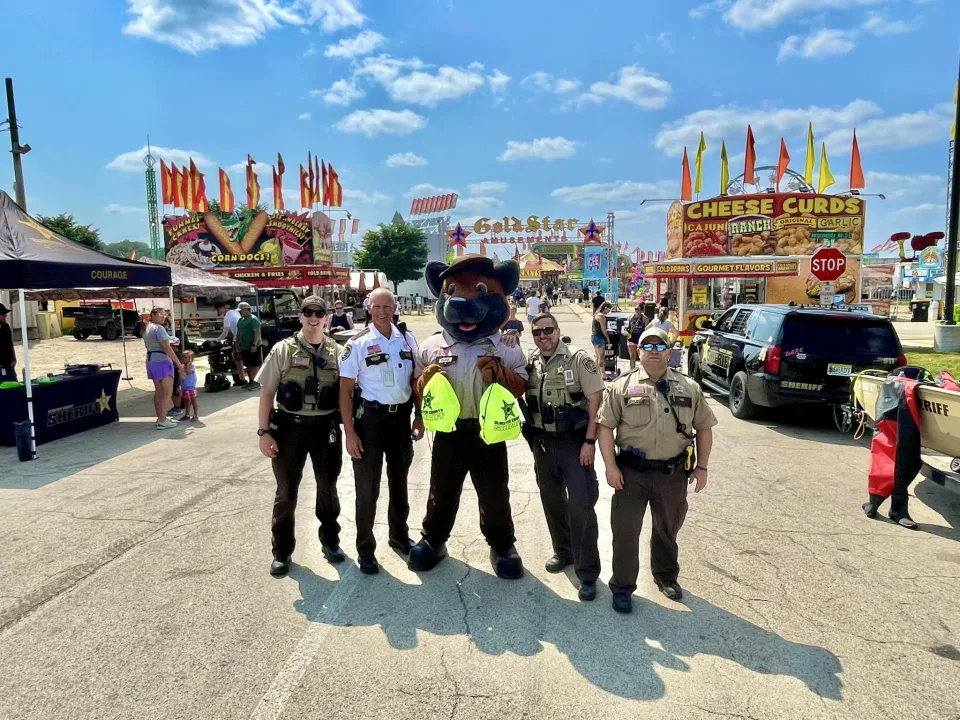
[[740, 404], [693, 368], [842, 418], [109, 331], [80, 334]]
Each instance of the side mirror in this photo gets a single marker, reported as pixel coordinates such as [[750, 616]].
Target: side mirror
[[707, 325]]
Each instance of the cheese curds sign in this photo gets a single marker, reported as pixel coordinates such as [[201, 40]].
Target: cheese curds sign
[[766, 224], [532, 224]]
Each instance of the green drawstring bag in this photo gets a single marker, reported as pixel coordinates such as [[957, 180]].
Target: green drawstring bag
[[440, 407], [499, 415]]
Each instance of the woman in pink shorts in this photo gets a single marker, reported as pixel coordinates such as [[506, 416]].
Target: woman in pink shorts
[[161, 360]]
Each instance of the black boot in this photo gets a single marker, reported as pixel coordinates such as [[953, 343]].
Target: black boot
[[402, 546], [333, 554], [872, 505], [902, 518], [557, 563], [671, 589], [280, 566], [423, 557], [507, 564], [368, 564]]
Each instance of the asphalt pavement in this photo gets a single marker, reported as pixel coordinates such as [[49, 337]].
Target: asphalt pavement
[[134, 584]]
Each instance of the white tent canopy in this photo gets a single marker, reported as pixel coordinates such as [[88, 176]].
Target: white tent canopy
[[368, 276]]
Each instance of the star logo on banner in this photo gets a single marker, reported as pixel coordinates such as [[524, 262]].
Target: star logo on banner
[[458, 236], [48, 238], [592, 232], [104, 401]]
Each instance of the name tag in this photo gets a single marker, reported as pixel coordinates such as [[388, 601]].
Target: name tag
[[301, 362], [377, 359], [446, 360], [640, 400], [681, 401], [568, 377]]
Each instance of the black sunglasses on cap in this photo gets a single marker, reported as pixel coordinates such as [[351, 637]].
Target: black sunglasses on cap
[[537, 332], [650, 347], [310, 312]]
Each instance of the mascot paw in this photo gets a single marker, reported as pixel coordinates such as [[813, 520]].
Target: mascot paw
[[507, 564], [423, 557], [428, 372], [491, 370]]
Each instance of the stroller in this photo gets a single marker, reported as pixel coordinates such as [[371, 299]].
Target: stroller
[[221, 364]]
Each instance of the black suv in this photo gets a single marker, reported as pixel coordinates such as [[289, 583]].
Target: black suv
[[773, 355]]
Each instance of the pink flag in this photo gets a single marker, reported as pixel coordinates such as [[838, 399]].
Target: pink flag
[[343, 228], [356, 226]]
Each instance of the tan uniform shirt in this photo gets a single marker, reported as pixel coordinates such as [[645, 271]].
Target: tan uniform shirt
[[641, 417], [568, 370], [459, 362], [284, 363]]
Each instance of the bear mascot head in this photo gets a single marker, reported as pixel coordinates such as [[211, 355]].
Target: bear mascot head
[[472, 295]]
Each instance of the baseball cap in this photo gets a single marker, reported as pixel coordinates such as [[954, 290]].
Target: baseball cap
[[3, 309], [654, 332], [314, 300], [244, 306]]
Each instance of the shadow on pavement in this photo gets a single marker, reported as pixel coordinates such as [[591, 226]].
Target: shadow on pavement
[[943, 501], [68, 456], [812, 423], [614, 652]]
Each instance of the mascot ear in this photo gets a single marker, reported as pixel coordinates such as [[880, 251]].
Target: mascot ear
[[508, 273], [432, 275]]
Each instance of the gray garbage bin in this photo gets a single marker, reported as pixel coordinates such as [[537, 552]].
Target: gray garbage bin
[[919, 310], [21, 431]]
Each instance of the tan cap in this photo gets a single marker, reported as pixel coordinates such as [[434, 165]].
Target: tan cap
[[654, 332], [314, 300]]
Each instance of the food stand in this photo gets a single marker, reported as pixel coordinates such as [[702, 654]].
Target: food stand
[[754, 249]]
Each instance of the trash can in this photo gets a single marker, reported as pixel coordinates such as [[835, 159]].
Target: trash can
[[919, 310], [21, 431]]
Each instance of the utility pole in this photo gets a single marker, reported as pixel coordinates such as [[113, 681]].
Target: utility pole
[[952, 220], [15, 147]]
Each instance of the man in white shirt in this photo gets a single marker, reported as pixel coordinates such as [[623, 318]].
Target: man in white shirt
[[231, 317], [663, 322], [533, 307]]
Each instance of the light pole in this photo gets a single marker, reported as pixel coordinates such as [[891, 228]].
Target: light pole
[[16, 148], [952, 221]]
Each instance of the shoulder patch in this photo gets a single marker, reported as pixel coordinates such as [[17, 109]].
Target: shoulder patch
[[347, 349], [590, 366]]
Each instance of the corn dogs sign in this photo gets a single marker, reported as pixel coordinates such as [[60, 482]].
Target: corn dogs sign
[[210, 240]]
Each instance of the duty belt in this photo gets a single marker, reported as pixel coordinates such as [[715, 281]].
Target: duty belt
[[290, 418], [642, 464], [397, 407]]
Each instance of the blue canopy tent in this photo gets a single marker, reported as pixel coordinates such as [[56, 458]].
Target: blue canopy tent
[[34, 257]]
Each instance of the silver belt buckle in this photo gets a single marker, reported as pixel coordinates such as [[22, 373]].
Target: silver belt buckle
[[392, 408]]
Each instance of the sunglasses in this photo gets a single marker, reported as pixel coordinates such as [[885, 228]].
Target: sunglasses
[[309, 312], [537, 332], [650, 347]]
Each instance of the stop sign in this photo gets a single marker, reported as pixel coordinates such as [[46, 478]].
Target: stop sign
[[828, 264]]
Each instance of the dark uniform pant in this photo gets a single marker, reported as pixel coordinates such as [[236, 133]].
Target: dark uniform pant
[[667, 497], [382, 434], [295, 441], [569, 493], [454, 455]]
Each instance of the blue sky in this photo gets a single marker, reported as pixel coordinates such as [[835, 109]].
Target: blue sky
[[544, 107]]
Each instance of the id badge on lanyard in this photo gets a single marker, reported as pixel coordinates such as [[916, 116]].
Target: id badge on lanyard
[[386, 375]]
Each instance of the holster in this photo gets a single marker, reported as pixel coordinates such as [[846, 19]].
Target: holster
[[639, 463]]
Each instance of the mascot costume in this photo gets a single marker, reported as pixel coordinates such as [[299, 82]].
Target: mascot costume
[[471, 308]]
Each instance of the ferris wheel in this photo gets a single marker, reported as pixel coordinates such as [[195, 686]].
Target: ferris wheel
[[794, 182]]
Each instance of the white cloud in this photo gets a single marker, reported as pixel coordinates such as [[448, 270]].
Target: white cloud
[[554, 148], [238, 167], [753, 15], [821, 43], [197, 25], [895, 185], [428, 190], [634, 85], [621, 191], [477, 204], [663, 40], [769, 124], [303, 116], [701, 11], [385, 69], [310, 51], [363, 197], [548, 83], [114, 209], [407, 159], [898, 131], [363, 44], [342, 92], [920, 209], [489, 186], [424, 88], [133, 161], [498, 83], [879, 24], [378, 122]]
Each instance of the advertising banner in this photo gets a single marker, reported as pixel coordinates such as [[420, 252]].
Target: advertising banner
[[594, 263], [321, 228], [769, 224], [211, 240], [298, 276]]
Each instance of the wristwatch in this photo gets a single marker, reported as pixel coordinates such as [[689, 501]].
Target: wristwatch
[[590, 441], [261, 432]]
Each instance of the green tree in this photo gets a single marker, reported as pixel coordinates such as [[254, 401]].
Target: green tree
[[123, 249], [398, 250], [72, 230]]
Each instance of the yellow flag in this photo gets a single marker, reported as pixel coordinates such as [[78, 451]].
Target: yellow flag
[[701, 149], [953, 128], [811, 157], [724, 169], [826, 177]]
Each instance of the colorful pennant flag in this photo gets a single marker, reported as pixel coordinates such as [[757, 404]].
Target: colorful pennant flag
[[750, 161], [724, 168], [199, 189], [281, 167], [826, 177], [317, 197], [253, 184], [325, 189], [811, 157], [310, 183], [356, 226], [305, 189], [686, 185], [343, 228], [186, 188], [227, 203], [177, 188], [698, 162], [166, 183], [334, 188], [856, 167], [783, 163], [277, 189]]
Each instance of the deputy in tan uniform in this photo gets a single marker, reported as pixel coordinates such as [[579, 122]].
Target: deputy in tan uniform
[[560, 409], [302, 373], [659, 416]]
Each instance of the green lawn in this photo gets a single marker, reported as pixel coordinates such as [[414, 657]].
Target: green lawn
[[934, 362]]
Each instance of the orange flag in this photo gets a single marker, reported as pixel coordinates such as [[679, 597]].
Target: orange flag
[[317, 197], [304, 188], [199, 189], [334, 187], [686, 184], [281, 168], [253, 185], [227, 203], [856, 169], [277, 190], [783, 163], [166, 183], [310, 182], [750, 161], [186, 189], [325, 189], [177, 198]]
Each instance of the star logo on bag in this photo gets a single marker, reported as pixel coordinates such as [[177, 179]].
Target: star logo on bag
[[428, 401], [509, 410]]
